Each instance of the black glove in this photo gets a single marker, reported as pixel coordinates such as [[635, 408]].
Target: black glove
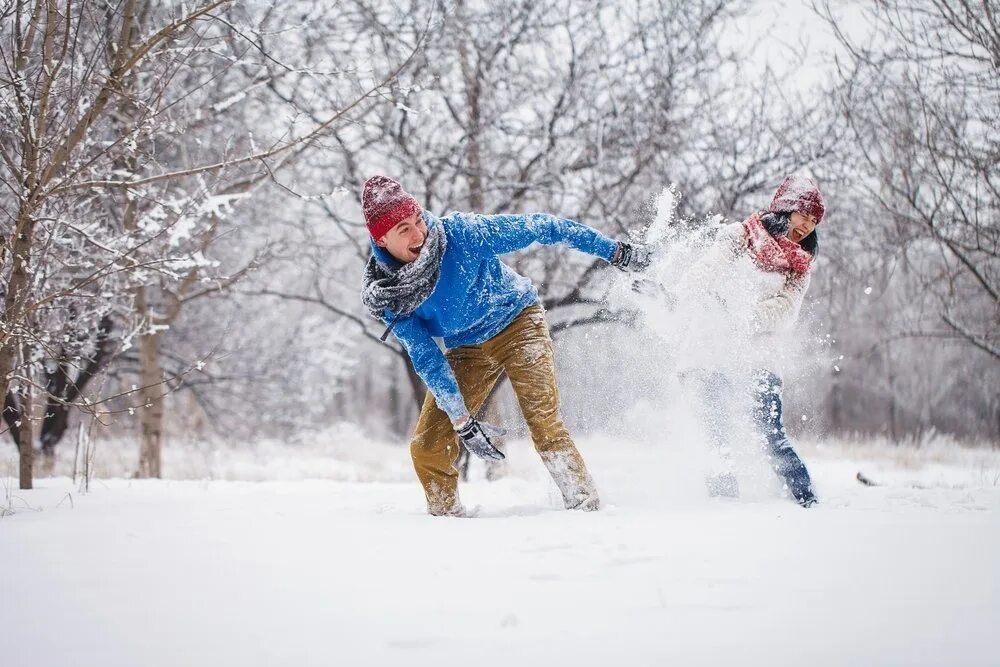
[[630, 257], [476, 438]]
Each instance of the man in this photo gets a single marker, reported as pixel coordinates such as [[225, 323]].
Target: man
[[432, 277]]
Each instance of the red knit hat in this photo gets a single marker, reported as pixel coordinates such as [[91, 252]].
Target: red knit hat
[[385, 204], [798, 193]]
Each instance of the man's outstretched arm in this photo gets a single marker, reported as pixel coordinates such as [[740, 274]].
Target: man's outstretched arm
[[501, 234]]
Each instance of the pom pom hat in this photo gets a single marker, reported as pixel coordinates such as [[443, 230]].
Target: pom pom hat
[[798, 193], [385, 203]]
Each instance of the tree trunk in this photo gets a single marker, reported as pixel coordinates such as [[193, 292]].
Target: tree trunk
[[893, 406], [472, 75], [27, 449], [397, 406], [419, 391], [63, 390], [152, 392], [17, 295], [836, 406], [11, 415]]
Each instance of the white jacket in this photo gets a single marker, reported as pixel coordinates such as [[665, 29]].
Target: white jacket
[[733, 313]]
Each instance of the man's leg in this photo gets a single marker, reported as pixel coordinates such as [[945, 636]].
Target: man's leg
[[767, 415], [525, 350], [434, 447]]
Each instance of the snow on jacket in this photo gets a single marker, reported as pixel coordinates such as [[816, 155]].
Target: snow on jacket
[[477, 295], [771, 300], [732, 313]]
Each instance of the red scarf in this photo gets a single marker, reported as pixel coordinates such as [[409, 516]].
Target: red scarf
[[774, 254]]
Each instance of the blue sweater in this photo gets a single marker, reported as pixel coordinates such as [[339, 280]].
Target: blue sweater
[[477, 295]]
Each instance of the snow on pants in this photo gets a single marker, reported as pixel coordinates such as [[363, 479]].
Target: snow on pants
[[768, 421], [524, 351]]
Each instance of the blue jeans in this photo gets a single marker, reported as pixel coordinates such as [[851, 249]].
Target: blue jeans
[[717, 395]]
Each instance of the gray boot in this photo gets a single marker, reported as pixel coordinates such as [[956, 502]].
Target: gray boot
[[573, 481]]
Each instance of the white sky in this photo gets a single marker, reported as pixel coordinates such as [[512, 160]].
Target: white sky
[[796, 42]]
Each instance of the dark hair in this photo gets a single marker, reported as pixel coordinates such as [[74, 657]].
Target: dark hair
[[777, 224], [810, 243]]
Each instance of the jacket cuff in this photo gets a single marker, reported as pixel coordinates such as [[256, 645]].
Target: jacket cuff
[[453, 405]]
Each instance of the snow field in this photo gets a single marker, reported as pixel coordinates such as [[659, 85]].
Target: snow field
[[349, 570]]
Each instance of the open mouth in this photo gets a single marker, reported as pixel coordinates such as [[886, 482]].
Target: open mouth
[[415, 250]]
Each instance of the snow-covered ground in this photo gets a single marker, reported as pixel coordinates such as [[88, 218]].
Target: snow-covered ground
[[345, 568]]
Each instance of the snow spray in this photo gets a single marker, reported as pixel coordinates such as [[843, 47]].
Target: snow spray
[[675, 379]]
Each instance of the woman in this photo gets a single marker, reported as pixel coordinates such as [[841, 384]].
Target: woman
[[749, 287]]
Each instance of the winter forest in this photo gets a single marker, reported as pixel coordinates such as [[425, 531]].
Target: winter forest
[[182, 246]]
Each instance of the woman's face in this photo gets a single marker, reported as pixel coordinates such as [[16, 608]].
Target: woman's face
[[802, 225], [406, 239]]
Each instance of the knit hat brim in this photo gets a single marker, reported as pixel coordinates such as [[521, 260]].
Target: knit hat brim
[[385, 204], [798, 193], [381, 226]]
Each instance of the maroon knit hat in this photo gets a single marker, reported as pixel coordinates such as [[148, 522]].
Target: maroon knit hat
[[385, 204], [798, 193]]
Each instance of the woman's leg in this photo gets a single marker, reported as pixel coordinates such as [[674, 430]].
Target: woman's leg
[[525, 351], [767, 415], [715, 412]]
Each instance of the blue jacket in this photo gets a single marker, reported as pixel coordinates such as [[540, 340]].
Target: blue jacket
[[477, 295]]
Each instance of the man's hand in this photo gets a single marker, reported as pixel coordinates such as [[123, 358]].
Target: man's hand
[[476, 438], [630, 257]]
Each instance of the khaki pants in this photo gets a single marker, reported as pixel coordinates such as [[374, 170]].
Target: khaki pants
[[524, 351]]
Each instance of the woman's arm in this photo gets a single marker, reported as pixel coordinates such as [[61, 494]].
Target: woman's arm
[[777, 311]]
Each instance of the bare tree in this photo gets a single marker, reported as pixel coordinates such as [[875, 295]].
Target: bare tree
[[919, 223], [921, 100], [564, 107], [114, 172]]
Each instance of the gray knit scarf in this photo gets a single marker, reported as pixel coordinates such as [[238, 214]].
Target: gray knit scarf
[[402, 289]]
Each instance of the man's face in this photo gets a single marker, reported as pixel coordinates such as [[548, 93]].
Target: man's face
[[406, 239], [801, 226]]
